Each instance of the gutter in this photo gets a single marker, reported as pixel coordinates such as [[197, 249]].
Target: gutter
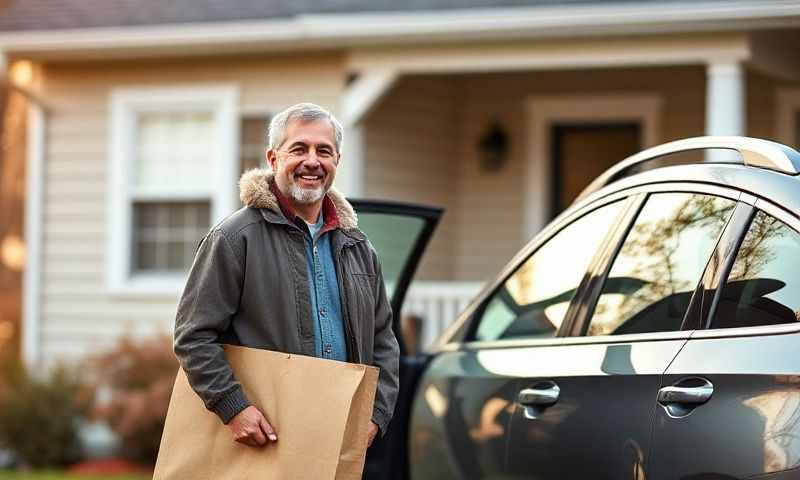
[[331, 31]]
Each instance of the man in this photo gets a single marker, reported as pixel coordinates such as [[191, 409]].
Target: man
[[289, 272]]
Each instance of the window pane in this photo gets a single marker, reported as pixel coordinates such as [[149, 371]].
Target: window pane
[[253, 142], [763, 287], [165, 234], [660, 264], [533, 301], [175, 145], [393, 237]]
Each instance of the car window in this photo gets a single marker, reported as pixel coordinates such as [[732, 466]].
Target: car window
[[763, 287], [532, 302], [660, 264], [394, 237]]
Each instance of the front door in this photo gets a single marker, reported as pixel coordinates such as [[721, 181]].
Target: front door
[[582, 152]]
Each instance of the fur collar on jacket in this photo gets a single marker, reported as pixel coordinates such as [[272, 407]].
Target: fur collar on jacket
[[254, 192]]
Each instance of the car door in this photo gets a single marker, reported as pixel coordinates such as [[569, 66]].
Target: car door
[[468, 393], [399, 232], [584, 406], [729, 405]]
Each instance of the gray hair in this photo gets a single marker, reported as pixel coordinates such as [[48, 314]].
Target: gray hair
[[305, 112]]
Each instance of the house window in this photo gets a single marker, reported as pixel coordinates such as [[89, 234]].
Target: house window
[[253, 142], [166, 234], [173, 176]]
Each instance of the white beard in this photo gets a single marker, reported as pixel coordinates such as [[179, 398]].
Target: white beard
[[302, 195]]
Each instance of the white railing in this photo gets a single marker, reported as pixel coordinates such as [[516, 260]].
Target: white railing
[[438, 304]]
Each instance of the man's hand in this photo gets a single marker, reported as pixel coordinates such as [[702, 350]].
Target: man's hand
[[251, 428], [372, 433]]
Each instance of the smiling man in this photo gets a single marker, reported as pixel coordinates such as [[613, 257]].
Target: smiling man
[[289, 272]]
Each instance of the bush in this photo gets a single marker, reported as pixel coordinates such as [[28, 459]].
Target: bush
[[39, 415], [135, 382]]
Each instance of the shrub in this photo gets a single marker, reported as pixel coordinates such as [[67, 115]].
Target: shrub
[[39, 414], [135, 382]]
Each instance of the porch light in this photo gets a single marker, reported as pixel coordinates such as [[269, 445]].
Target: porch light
[[493, 149]]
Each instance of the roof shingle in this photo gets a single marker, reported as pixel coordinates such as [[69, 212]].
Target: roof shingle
[[27, 15]]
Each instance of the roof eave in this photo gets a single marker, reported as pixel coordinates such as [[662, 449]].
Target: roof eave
[[334, 31]]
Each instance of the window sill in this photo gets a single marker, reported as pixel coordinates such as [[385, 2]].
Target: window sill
[[152, 285]]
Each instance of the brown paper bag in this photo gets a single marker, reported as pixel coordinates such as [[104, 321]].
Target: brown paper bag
[[320, 410]]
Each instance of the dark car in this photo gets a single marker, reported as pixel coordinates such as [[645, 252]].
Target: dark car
[[650, 331]]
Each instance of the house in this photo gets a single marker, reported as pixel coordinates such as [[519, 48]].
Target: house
[[142, 115]]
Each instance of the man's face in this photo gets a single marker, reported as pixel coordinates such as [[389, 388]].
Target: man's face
[[305, 163]]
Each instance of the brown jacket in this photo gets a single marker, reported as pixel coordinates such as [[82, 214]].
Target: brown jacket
[[248, 286]]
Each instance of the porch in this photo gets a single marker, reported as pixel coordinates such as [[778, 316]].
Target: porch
[[418, 125]]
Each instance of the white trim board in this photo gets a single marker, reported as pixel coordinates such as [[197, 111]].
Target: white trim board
[[369, 29], [543, 111], [573, 53], [124, 104], [788, 103], [34, 184]]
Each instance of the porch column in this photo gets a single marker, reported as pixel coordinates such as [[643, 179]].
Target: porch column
[[725, 104], [360, 97]]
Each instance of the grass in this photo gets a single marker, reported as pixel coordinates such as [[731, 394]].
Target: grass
[[53, 475]]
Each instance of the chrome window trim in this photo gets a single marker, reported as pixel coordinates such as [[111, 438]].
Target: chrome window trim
[[782, 329], [778, 212], [676, 187], [538, 240], [568, 216], [562, 341]]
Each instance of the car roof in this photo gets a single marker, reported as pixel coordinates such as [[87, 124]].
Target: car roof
[[753, 152], [778, 188]]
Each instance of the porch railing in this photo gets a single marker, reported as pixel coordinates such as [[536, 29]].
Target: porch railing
[[437, 304]]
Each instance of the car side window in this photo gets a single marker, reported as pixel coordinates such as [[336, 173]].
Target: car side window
[[532, 302], [763, 287], [660, 264]]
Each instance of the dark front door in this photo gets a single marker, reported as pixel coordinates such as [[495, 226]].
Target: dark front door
[[582, 152]]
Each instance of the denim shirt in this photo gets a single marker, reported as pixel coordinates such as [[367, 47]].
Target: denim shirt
[[329, 336]]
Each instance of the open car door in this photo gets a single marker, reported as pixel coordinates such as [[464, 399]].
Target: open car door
[[400, 232]]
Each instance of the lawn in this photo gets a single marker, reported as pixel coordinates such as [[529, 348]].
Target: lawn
[[64, 476]]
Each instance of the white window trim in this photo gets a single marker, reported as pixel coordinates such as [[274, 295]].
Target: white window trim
[[543, 111], [125, 104], [788, 101]]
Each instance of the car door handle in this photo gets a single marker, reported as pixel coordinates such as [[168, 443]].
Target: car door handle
[[693, 391], [541, 395]]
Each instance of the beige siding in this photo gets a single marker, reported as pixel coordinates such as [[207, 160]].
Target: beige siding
[[412, 155], [762, 105], [420, 146], [490, 207], [78, 313]]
